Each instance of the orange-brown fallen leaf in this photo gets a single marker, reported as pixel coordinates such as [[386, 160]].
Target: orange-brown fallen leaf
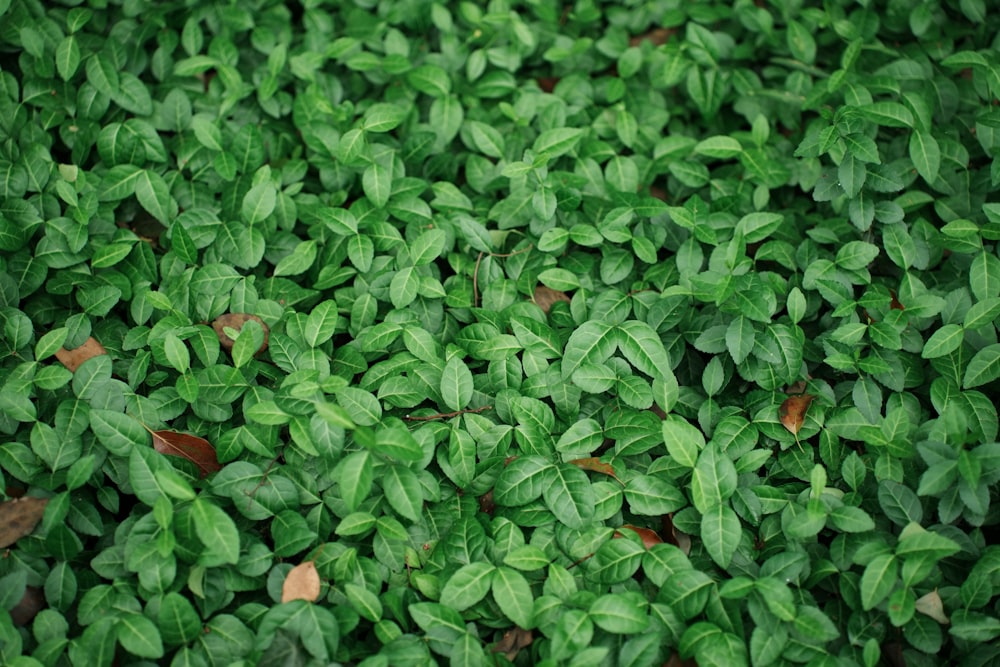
[[595, 464], [512, 642], [236, 321], [196, 450], [546, 296], [792, 412], [649, 537], [302, 583], [72, 359], [19, 517]]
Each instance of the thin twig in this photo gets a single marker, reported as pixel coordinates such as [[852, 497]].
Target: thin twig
[[447, 415], [479, 259]]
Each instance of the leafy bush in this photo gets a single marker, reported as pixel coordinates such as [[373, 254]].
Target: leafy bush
[[402, 332]]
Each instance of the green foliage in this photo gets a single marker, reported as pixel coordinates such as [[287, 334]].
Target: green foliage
[[531, 287]]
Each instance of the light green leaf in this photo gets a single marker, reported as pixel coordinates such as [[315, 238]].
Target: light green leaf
[[591, 343], [642, 347], [513, 595], [456, 384]]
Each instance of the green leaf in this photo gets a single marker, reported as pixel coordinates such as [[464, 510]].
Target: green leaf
[[755, 227], [878, 580], [557, 141], [467, 586], [591, 343], [944, 341], [361, 406], [683, 441], [641, 346], [618, 614], [456, 384], [522, 481], [984, 367], [513, 595], [926, 155], [486, 138], [720, 532], [383, 117], [217, 531], [154, 196], [139, 636], [403, 491], [714, 478], [569, 496]]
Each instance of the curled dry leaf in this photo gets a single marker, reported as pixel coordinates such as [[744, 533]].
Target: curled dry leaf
[[302, 583], [931, 605], [649, 536], [196, 450], [546, 296], [595, 464], [72, 359], [19, 517], [236, 321], [792, 412], [512, 642]]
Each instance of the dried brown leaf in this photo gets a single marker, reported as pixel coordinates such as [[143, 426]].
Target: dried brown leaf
[[236, 321], [931, 605], [658, 36], [649, 536], [302, 583], [546, 296], [19, 517], [512, 642], [72, 359], [32, 602], [196, 450], [594, 464], [792, 412]]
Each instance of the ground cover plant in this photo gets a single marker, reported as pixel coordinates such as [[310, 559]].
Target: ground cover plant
[[412, 332]]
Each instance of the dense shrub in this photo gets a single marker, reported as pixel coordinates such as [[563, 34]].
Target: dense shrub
[[606, 333]]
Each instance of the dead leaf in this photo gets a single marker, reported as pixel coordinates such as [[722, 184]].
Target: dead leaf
[[547, 83], [512, 643], [302, 583], [931, 605], [19, 517], [236, 321], [595, 464], [72, 359], [792, 412], [546, 296], [32, 602], [894, 303], [486, 503], [675, 661], [196, 450], [649, 536], [658, 36]]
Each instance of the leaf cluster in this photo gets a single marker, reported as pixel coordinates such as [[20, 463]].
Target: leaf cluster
[[429, 332]]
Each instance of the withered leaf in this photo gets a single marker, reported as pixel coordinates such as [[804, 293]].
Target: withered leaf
[[72, 359], [931, 605], [649, 536], [32, 602], [792, 412], [302, 583], [595, 464], [19, 517], [658, 36], [546, 296], [236, 321], [191, 447], [512, 642]]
